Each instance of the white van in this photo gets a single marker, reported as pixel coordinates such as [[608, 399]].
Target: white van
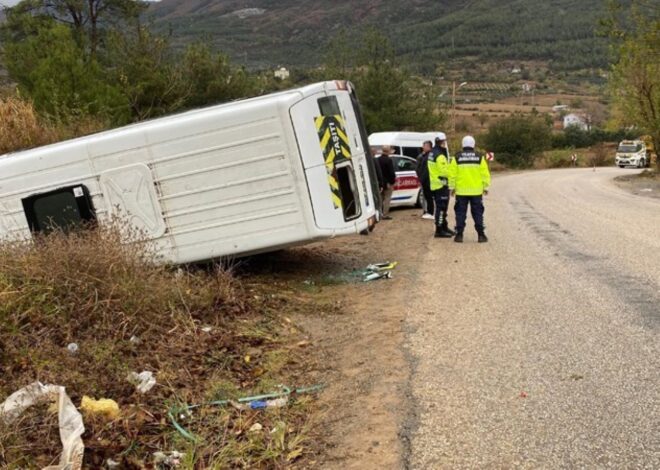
[[402, 143], [240, 178], [632, 153]]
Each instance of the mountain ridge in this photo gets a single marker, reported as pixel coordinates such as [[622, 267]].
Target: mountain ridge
[[265, 33]]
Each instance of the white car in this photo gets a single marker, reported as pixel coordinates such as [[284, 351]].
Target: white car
[[407, 188]]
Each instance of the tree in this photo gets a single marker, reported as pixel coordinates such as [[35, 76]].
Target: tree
[[634, 80], [518, 139], [50, 68], [391, 99], [147, 72], [88, 18], [211, 77]]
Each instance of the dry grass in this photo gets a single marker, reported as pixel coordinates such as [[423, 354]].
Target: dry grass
[[90, 289], [22, 128]]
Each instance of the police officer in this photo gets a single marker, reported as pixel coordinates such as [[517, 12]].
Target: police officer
[[438, 164], [469, 179]]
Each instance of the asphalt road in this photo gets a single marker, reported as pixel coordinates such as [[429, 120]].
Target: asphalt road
[[541, 349]]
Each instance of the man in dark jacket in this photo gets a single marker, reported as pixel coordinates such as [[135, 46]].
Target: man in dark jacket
[[422, 171], [389, 178]]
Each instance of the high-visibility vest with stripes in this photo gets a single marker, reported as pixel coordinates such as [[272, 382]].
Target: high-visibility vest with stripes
[[469, 174], [438, 171]]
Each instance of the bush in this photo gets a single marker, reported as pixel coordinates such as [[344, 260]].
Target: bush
[[574, 137], [600, 156], [517, 140], [555, 159]]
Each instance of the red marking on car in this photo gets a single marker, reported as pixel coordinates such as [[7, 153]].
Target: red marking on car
[[406, 182]]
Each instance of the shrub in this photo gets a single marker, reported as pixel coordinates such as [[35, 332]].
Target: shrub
[[600, 155], [574, 137], [555, 159], [517, 140]]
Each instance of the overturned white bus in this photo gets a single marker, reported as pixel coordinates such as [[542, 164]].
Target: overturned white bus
[[235, 179]]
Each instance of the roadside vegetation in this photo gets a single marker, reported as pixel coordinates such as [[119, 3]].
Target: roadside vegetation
[[634, 84], [203, 334]]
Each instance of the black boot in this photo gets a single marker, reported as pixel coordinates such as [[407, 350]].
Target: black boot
[[459, 237], [440, 232], [446, 229], [482, 238]]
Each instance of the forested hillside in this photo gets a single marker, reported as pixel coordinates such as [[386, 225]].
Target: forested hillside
[[271, 32]]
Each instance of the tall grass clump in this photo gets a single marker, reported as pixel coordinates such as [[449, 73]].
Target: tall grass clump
[[21, 127]]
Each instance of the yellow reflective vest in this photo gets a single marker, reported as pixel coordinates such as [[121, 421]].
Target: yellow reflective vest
[[469, 174], [438, 171]]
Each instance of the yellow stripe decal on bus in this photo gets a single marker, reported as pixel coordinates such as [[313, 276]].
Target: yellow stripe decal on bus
[[335, 146]]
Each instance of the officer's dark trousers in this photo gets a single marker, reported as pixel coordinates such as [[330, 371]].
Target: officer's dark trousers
[[428, 197], [476, 207], [441, 198]]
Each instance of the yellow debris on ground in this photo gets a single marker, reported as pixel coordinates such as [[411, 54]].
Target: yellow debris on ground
[[103, 407]]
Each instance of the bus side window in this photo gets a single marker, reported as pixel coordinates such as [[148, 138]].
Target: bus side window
[[329, 106], [64, 208]]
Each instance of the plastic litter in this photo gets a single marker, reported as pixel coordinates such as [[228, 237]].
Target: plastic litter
[[375, 276], [168, 459], [70, 420], [382, 266], [73, 348], [207, 329], [258, 402], [256, 427], [144, 381], [112, 463], [262, 404], [104, 407], [379, 271]]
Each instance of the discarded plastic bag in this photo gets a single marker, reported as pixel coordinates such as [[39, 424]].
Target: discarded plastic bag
[[144, 381], [103, 407], [70, 421]]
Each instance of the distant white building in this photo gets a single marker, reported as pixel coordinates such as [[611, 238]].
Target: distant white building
[[560, 107], [516, 70], [282, 73], [575, 120]]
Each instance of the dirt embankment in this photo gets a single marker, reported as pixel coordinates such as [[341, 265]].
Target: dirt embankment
[[357, 346], [646, 183], [301, 317]]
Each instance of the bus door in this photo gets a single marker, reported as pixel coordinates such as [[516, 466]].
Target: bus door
[[336, 176]]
